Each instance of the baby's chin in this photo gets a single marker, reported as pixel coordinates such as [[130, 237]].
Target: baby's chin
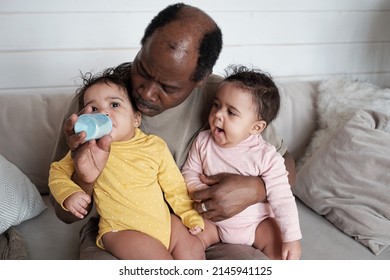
[[123, 138], [221, 143]]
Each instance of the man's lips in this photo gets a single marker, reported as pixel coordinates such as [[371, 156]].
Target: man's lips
[[142, 104]]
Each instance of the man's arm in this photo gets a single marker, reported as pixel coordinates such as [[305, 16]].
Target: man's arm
[[224, 199]]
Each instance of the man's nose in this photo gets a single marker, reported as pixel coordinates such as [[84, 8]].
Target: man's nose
[[149, 91]]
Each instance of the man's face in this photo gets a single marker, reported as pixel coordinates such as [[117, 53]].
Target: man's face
[[161, 74]]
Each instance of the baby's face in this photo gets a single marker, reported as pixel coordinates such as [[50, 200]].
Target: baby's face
[[233, 117], [112, 100]]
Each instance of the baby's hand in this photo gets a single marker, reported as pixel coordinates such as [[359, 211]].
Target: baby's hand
[[291, 250], [196, 230], [77, 204]]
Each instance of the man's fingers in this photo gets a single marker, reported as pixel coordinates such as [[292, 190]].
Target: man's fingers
[[104, 143], [208, 180], [75, 140], [213, 179], [212, 216], [201, 207], [200, 195], [69, 124], [86, 110]]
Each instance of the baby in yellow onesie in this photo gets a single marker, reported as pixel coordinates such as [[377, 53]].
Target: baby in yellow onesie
[[131, 191]]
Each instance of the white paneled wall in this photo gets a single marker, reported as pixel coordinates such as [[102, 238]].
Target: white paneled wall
[[44, 44]]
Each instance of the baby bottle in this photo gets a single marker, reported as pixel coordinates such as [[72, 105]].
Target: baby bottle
[[95, 125]]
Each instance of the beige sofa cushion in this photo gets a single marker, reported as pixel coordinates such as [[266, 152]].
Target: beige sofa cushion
[[38, 118]]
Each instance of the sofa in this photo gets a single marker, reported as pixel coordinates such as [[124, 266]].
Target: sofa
[[30, 123]]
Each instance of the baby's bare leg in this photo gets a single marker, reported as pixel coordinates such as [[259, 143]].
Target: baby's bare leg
[[135, 245], [268, 239], [184, 245]]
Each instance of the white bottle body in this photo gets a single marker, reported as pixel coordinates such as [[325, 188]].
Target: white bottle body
[[95, 125]]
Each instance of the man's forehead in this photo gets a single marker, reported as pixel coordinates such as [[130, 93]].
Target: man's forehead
[[162, 70], [177, 57]]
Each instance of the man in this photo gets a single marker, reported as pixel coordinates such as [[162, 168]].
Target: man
[[173, 87]]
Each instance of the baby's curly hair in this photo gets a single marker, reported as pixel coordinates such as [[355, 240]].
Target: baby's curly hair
[[260, 84], [119, 76]]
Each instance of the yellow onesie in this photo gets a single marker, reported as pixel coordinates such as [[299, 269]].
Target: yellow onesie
[[130, 191]]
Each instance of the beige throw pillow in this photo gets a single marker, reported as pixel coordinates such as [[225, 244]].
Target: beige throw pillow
[[347, 179]]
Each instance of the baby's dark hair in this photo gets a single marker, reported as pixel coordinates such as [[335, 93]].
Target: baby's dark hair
[[260, 85], [119, 76], [210, 46]]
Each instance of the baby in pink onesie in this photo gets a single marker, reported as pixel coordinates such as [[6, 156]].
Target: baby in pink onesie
[[246, 101]]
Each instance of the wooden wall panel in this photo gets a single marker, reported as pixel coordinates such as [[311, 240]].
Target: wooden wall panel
[[41, 31], [44, 44]]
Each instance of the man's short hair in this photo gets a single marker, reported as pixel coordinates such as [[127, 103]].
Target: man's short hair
[[210, 46]]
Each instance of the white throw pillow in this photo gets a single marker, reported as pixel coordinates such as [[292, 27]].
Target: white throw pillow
[[19, 198], [339, 98]]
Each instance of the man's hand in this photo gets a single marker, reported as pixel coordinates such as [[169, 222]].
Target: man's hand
[[89, 157], [228, 195], [74, 140]]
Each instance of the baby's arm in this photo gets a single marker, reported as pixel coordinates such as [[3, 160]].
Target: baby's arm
[[77, 203], [192, 169], [175, 191], [63, 188], [281, 198]]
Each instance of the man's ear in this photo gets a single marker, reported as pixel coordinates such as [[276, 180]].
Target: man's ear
[[137, 119], [258, 127]]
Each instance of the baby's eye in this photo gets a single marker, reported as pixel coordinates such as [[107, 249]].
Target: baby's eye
[[216, 105], [231, 113], [114, 105], [94, 109]]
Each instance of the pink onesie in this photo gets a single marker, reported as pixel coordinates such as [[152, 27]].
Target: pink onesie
[[252, 157]]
